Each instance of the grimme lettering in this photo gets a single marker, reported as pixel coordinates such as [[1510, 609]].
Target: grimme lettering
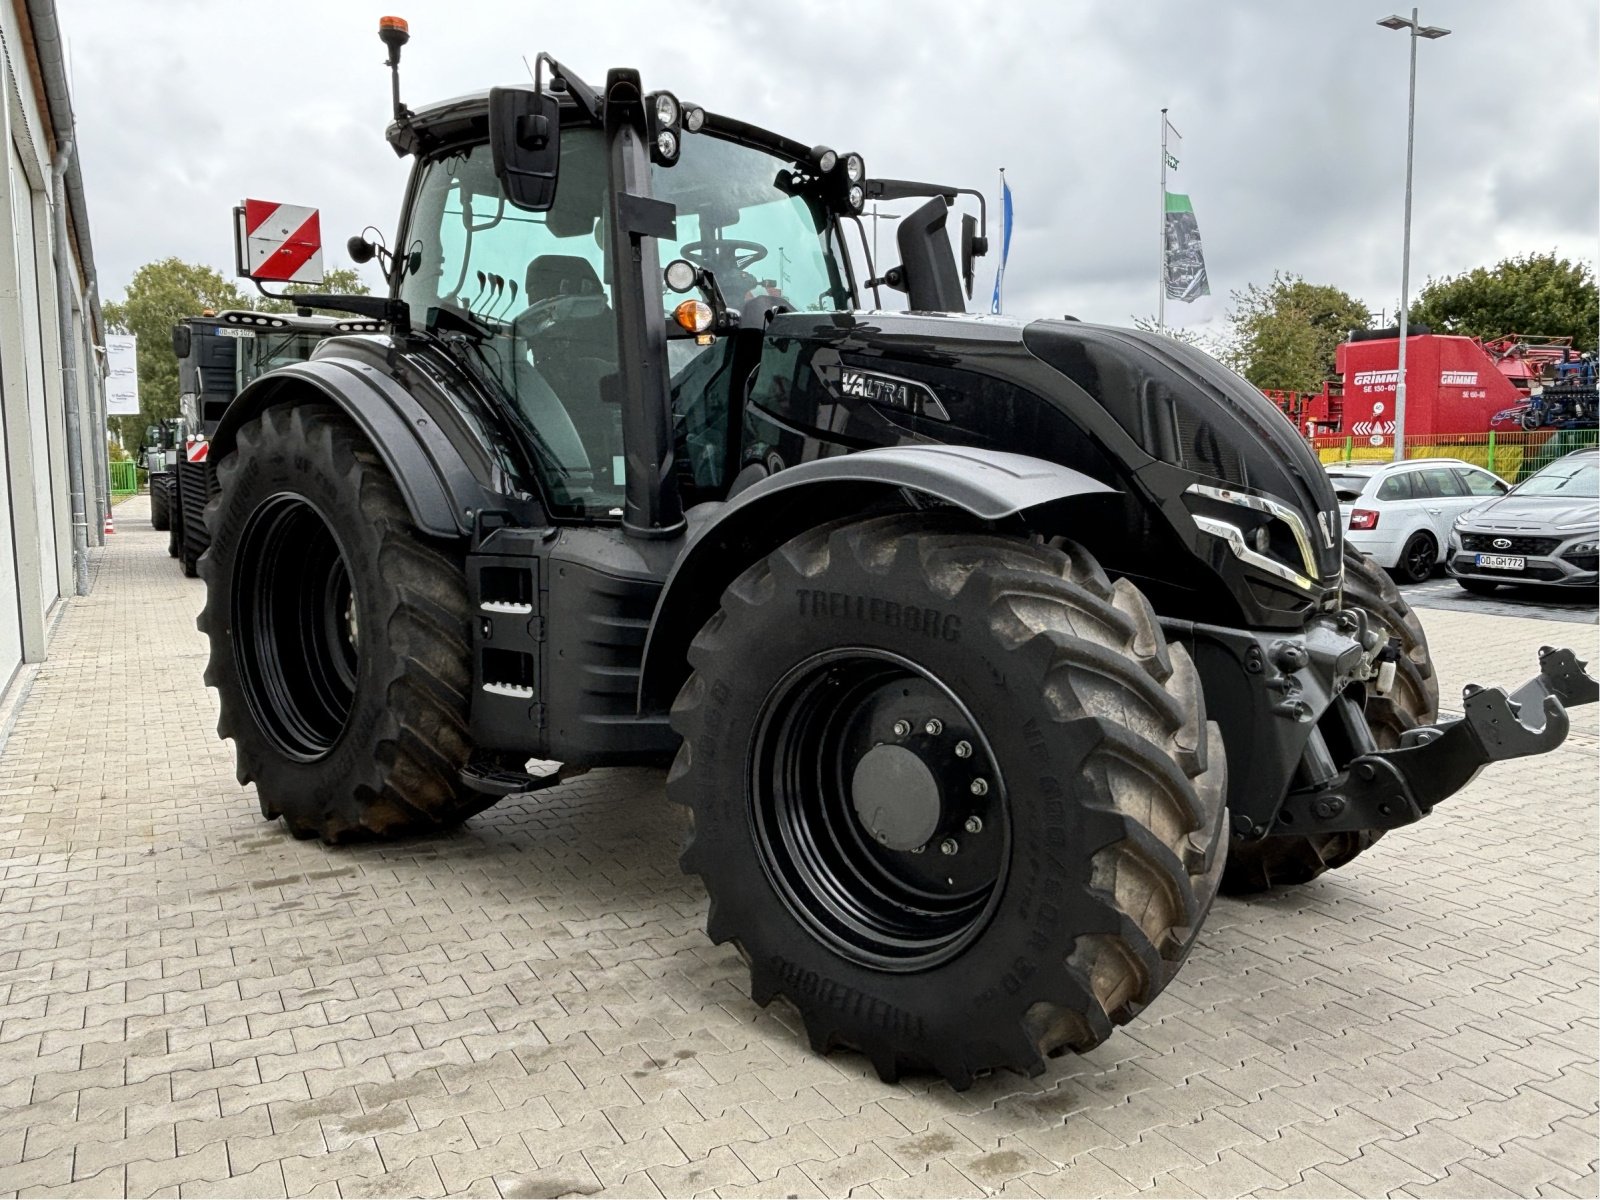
[[875, 610]]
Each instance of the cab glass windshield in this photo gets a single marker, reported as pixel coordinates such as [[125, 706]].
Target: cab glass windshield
[[528, 297]]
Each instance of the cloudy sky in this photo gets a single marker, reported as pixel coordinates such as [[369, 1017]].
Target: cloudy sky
[[1292, 113]]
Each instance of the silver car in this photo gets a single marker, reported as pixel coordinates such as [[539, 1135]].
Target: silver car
[[1545, 531]]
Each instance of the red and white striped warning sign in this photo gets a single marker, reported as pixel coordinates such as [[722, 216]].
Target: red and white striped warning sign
[[279, 242]]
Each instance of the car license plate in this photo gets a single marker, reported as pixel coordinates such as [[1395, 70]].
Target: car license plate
[[1502, 562]]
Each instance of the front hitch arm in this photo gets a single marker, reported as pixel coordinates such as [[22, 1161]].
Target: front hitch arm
[[1385, 789]]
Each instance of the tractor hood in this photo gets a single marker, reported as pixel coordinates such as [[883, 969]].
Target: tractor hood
[[1209, 467]]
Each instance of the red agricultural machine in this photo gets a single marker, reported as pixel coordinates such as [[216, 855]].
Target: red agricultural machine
[[1455, 385]]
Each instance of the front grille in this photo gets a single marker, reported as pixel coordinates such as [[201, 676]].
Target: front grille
[[1485, 543]]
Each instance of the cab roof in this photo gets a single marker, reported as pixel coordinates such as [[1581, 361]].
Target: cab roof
[[465, 119]]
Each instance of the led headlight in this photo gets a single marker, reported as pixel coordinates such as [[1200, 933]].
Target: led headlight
[[826, 159], [856, 197], [854, 169], [667, 144], [1583, 548], [1249, 535], [694, 118], [666, 109]]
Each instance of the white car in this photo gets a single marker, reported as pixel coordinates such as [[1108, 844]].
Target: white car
[[1401, 513]]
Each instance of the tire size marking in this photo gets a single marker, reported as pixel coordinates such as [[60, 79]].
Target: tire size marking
[[875, 610], [803, 982]]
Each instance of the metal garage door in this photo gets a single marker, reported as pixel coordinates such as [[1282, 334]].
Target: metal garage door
[[44, 498]]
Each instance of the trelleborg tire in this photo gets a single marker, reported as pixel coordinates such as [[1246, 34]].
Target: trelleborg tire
[[954, 795], [1412, 701], [339, 636]]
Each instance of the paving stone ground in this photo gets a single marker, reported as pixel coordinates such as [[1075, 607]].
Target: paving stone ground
[[194, 1003]]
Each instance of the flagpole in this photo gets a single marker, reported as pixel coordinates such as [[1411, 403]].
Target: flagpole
[[1161, 229]]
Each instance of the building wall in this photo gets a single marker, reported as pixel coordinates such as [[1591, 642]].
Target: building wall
[[36, 567]]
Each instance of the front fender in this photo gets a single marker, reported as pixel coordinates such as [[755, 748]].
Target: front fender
[[439, 489], [727, 538]]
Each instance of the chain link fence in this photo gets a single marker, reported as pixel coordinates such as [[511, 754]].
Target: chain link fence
[[1512, 455]]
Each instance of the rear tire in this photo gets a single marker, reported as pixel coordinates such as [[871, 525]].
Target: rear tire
[[1418, 558], [1087, 862], [1412, 701], [345, 736], [1480, 587]]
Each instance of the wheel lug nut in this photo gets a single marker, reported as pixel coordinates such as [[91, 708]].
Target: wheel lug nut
[[963, 749], [980, 787], [934, 727], [948, 846], [918, 849], [974, 824], [902, 728]]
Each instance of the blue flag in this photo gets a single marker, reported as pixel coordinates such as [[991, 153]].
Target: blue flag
[[1005, 242]]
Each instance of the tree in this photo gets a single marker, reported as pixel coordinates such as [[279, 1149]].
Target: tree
[[1189, 337], [1534, 293], [1284, 334], [160, 295]]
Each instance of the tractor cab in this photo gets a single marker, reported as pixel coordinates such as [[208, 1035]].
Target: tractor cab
[[542, 218]]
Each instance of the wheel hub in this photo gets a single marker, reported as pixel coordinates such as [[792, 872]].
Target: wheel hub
[[879, 809], [896, 797]]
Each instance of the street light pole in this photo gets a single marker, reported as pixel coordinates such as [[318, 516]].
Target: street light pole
[[1431, 32]]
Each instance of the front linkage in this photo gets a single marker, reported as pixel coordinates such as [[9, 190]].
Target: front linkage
[[1385, 789]]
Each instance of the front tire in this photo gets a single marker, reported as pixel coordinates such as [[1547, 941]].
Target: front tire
[[954, 795], [339, 637], [1412, 701]]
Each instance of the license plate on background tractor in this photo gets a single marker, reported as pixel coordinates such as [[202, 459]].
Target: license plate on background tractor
[[1501, 562]]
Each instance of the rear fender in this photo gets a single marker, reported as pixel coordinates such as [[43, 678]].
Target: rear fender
[[727, 538], [440, 491]]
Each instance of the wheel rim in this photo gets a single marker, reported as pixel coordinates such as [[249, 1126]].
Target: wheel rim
[[857, 754], [1419, 562], [295, 638]]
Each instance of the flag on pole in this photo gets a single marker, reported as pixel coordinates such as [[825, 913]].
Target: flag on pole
[[1005, 241], [1172, 146], [1185, 264]]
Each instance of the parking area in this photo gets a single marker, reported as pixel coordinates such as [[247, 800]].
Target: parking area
[[194, 1003], [1539, 604]]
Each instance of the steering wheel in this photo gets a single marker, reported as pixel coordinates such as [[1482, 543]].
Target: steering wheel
[[743, 253], [541, 315]]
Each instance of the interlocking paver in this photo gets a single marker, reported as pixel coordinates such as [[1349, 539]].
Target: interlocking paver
[[192, 1002]]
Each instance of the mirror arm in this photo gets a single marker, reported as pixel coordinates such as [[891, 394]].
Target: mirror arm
[[573, 83]]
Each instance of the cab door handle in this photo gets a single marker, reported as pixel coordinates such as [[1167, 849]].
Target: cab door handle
[[1435, 511]]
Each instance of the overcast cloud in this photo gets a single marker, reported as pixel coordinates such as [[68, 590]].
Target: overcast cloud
[[1292, 111]]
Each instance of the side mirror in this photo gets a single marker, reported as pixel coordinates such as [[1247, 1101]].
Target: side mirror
[[969, 250], [927, 261], [525, 138], [180, 341]]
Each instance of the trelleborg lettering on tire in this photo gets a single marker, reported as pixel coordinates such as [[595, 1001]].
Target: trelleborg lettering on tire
[[879, 610]]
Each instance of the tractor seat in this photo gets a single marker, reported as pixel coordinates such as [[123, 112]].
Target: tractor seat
[[552, 275]]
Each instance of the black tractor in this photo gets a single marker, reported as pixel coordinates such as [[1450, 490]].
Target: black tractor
[[984, 652]]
